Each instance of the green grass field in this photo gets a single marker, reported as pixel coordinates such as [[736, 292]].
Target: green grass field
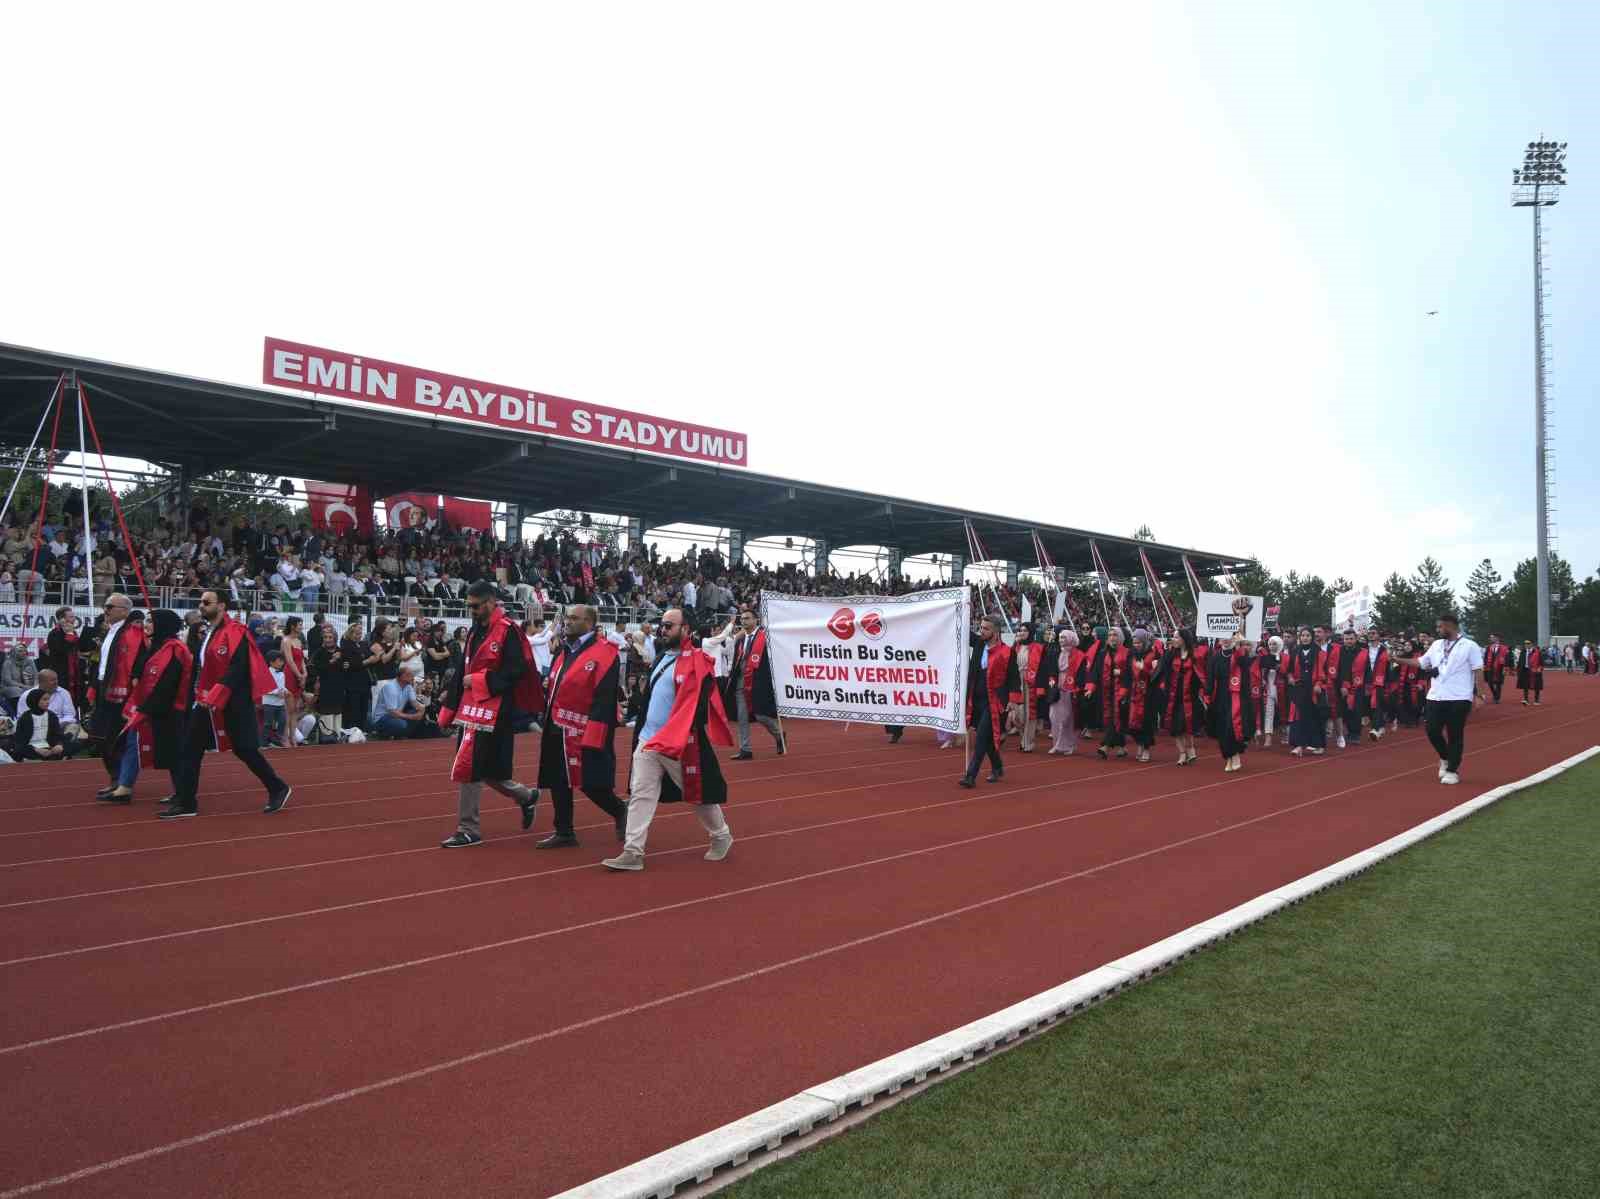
[[1431, 1028]]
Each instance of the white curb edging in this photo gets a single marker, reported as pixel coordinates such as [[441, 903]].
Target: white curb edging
[[696, 1160]]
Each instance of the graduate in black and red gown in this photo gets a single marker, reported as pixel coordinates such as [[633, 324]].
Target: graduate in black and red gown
[[1496, 656], [1308, 713], [1233, 683], [1369, 674], [1144, 702], [1179, 679], [1342, 656], [1089, 715], [1530, 673], [1110, 687]]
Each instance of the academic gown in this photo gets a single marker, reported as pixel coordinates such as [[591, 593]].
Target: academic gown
[[494, 752]]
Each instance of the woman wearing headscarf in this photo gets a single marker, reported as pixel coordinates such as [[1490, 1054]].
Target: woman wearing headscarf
[[1274, 669], [1063, 693], [1233, 682], [1179, 679], [1144, 701], [1308, 719], [158, 706]]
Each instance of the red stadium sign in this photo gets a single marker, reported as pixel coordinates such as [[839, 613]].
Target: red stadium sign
[[410, 389]]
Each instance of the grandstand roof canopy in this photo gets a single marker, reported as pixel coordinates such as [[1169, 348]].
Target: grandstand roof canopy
[[208, 426]]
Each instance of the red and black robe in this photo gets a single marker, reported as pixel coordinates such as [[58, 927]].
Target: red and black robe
[[996, 683], [580, 723], [1144, 701], [496, 684], [1179, 683], [752, 667], [231, 679], [1304, 682], [695, 722], [160, 698], [1234, 682], [1368, 679], [1530, 670], [1495, 659], [1112, 685]]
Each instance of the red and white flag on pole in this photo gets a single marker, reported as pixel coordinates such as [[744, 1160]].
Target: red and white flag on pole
[[469, 516]]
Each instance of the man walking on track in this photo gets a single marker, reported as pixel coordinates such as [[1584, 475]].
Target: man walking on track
[[750, 679], [119, 651], [680, 718], [1454, 665], [989, 681], [497, 682], [580, 721], [230, 677], [1495, 657]]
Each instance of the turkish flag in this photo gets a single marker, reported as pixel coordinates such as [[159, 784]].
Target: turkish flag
[[469, 515], [412, 509], [339, 508]]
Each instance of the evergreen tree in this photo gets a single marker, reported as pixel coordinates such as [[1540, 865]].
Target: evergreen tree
[[1432, 592], [1395, 607], [1485, 594]]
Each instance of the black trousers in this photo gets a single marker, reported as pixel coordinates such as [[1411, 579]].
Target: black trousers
[[1447, 727], [1495, 686], [983, 745], [606, 801], [197, 740]]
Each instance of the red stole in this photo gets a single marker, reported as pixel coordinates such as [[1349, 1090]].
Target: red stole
[[753, 657], [229, 641], [679, 738], [1180, 690], [1068, 663], [154, 668], [995, 680], [119, 674], [576, 676], [1141, 670], [1114, 682], [1536, 661], [478, 710], [1242, 677], [1028, 676], [1367, 675], [1494, 661]]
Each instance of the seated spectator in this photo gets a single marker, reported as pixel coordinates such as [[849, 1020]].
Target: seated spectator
[[396, 712], [39, 736], [18, 674], [60, 705]]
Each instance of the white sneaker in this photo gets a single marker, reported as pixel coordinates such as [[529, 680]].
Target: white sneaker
[[1444, 768], [628, 859], [1341, 742], [1449, 778], [719, 847]]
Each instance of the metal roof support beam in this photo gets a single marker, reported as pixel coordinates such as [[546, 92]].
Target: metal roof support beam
[[662, 478]]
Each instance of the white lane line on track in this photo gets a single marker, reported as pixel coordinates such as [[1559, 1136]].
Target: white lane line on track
[[648, 911], [340, 803], [334, 828], [690, 992]]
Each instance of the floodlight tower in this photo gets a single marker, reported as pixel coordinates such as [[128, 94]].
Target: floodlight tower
[[1537, 185]]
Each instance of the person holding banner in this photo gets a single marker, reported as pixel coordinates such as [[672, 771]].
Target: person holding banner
[[991, 676], [580, 723], [496, 683], [679, 719], [750, 680], [1234, 682], [1308, 732], [1179, 678], [229, 678], [156, 710]]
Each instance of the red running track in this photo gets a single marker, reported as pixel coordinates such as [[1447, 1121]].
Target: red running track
[[323, 1002]]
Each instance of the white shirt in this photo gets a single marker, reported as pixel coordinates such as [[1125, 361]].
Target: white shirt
[[541, 650], [41, 730], [689, 594], [1455, 661], [105, 657], [205, 640], [274, 698], [720, 650], [617, 639]]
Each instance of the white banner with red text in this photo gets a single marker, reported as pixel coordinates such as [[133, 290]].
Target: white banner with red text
[[877, 659]]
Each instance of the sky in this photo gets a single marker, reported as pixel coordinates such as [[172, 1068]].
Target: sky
[[1095, 265]]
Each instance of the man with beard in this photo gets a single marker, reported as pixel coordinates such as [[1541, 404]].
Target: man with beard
[[750, 680], [1342, 655], [1530, 672], [229, 678], [1369, 677], [580, 722], [1454, 666], [497, 680], [679, 718], [991, 676]]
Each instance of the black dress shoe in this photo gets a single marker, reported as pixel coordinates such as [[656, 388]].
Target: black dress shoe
[[744, 755], [278, 798], [894, 737], [995, 776], [460, 840], [557, 841], [177, 813], [966, 781], [104, 792], [113, 797], [528, 810]]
